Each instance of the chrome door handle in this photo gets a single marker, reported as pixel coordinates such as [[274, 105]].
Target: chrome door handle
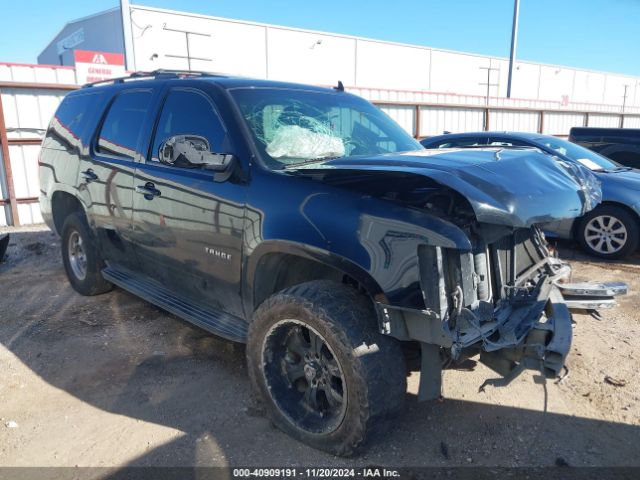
[[149, 190], [89, 176]]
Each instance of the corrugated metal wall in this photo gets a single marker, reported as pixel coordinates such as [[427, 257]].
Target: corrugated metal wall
[[27, 111], [12, 72], [29, 96], [4, 194], [404, 115], [436, 120], [631, 121], [24, 168], [559, 123], [604, 121], [514, 120]]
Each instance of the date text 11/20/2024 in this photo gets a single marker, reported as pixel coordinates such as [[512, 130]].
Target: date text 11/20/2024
[[368, 472]]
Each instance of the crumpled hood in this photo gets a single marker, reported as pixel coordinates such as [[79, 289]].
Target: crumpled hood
[[505, 187]]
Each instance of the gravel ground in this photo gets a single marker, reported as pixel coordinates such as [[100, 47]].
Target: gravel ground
[[112, 381]]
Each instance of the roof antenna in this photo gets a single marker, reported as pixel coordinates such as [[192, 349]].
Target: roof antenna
[[340, 86]]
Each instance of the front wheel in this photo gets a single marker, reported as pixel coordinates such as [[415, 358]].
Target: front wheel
[[609, 232], [326, 375]]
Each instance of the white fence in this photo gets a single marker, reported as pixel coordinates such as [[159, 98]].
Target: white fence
[[425, 120], [29, 96]]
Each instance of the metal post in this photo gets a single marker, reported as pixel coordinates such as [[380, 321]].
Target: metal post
[[4, 141], [186, 35], [514, 42]]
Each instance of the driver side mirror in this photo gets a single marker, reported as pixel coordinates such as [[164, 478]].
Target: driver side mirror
[[192, 151]]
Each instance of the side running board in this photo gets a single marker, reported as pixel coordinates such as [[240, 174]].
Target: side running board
[[218, 323]]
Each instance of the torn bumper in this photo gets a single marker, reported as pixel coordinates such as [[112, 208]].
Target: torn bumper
[[544, 348]]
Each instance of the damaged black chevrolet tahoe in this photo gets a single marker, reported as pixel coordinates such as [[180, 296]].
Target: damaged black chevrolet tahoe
[[305, 223]]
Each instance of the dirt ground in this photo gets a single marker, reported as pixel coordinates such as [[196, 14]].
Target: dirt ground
[[112, 381]]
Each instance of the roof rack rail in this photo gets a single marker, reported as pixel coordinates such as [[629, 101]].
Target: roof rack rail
[[153, 75]]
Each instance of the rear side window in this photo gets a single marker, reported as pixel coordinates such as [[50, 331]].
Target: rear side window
[[70, 121], [123, 123]]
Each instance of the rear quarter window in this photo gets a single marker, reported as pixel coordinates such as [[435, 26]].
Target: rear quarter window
[[71, 120]]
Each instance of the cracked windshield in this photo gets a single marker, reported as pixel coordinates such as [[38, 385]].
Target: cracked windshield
[[293, 128]]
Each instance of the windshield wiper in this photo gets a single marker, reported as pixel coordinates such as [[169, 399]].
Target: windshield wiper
[[293, 166]]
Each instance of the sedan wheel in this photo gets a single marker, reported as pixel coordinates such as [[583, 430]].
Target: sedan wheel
[[608, 231], [605, 234]]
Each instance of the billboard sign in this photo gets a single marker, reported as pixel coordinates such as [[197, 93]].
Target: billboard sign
[[95, 66]]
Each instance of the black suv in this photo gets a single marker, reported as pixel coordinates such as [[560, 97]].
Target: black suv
[[306, 223]]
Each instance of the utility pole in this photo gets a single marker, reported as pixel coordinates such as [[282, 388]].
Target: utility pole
[[514, 44], [624, 98]]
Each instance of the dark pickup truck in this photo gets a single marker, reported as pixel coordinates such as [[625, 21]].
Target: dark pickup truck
[[305, 223], [619, 144]]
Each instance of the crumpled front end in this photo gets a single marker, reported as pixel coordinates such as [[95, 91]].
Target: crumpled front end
[[473, 293], [499, 300], [588, 182], [454, 246]]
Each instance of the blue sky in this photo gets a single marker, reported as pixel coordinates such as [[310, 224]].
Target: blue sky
[[592, 34]]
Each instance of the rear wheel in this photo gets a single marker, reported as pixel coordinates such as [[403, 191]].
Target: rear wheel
[[80, 256], [608, 231], [325, 374]]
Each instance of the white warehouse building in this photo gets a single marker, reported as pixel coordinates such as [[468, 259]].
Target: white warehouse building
[[153, 38]]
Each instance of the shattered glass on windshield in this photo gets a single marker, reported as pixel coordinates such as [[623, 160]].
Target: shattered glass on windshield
[[293, 127]]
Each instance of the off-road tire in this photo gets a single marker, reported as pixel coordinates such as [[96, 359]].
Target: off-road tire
[[93, 283], [623, 216], [375, 375]]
